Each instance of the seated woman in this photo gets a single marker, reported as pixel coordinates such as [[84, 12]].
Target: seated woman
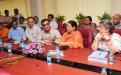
[[72, 38], [106, 39], [89, 25], [3, 33]]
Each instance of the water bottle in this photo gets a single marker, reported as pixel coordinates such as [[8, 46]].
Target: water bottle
[[9, 46], [58, 54], [103, 72], [9, 50], [49, 60], [111, 57], [57, 51], [23, 45], [1, 44]]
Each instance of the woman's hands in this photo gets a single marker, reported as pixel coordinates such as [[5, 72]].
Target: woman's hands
[[105, 36]]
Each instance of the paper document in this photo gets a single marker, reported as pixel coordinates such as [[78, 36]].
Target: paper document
[[99, 54]]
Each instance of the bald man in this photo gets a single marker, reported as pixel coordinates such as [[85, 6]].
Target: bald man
[[117, 21], [33, 32]]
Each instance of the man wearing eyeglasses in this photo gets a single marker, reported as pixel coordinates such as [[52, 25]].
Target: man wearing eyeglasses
[[49, 35]]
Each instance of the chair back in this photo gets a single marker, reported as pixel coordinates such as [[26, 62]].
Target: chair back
[[117, 31], [87, 36], [62, 29]]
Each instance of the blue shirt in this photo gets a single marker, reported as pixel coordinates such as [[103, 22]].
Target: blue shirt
[[16, 34]]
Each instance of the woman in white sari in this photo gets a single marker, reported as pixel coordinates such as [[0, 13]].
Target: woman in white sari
[[106, 39]]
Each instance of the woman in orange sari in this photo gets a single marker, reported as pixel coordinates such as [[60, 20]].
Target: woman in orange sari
[[72, 38], [3, 33]]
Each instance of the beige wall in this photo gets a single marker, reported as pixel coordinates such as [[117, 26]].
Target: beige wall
[[50, 6], [115, 6], [22, 5], [37, 8], [68, 8]]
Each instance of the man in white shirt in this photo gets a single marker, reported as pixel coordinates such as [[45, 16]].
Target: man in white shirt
[[37, 22], [49, 35], [17, 14], [33, 32], [53, 23]]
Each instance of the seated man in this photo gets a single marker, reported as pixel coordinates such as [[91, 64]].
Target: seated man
[[53, 23], [33, 32], [49, 35], [16, 32], [117, 21], [21, 22], [3, 33], [37, 22], [17, 14], [7, 18]]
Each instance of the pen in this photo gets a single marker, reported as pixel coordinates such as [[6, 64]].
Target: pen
[[100, 52]]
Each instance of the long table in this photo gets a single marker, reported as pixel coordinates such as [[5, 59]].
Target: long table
[[78, 59], [30, 66]]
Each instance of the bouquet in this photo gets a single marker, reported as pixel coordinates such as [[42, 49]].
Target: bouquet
[[34, 48]]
